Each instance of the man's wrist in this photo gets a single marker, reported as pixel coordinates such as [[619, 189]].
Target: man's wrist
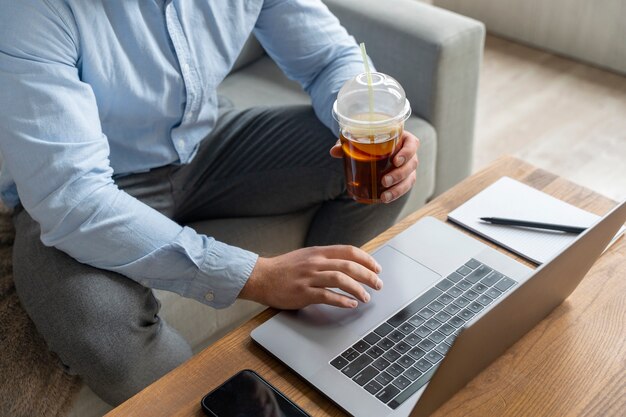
[[252, 289]]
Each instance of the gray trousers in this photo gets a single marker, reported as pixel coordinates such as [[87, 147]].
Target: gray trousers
[[262, 161]]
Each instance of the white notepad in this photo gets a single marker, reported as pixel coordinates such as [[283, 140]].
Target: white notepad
[[512, 199]]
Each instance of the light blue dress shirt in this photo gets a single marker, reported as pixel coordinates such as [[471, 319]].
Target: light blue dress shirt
[[92, 89]]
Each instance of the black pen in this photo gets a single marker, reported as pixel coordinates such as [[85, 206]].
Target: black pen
[[535, 225]]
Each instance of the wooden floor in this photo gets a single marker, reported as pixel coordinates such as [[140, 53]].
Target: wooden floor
[[556, 113]]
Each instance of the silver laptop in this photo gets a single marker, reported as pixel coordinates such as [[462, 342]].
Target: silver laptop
[[450, 305]]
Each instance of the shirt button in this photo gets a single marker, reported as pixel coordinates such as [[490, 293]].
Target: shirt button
[[186, 67], [181, 143], [209, 296]]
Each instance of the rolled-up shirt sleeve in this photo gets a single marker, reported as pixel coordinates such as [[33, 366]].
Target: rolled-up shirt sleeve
[[311, 47], [54, 149]]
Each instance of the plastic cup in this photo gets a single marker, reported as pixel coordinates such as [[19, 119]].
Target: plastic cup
[[370, 139]]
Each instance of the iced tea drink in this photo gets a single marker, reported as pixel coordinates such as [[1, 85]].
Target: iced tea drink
[[368, 155]]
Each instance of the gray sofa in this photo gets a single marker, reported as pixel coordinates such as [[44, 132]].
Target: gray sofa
[[436, 56]]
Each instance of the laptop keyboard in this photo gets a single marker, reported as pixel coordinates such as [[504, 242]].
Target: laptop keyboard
[[401, 355]]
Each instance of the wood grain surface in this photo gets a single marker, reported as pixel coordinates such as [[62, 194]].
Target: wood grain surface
[[573, 363]]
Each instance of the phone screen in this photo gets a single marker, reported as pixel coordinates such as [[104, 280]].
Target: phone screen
[[247, 394]]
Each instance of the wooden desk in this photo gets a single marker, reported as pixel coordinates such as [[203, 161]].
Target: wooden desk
[[572, 363]]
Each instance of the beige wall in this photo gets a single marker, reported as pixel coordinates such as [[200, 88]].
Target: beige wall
[[590, 30]]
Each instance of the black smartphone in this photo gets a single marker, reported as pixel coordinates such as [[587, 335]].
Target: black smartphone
[[246, 394]]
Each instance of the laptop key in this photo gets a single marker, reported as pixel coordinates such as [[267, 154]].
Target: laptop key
[[450, 339], [411, 389], [395, 369], [433, 356], [396, 336], [492, 278], [466, 314], [464, 285], [365, 375], [452, 309], [427, 344], [357, 365], [442, 348], [444, 284], [446, 329], [436, 305], [463, 270], [484, 300], [445, 299], [412, 339], [401, 382], [373, 387], [406, 328], [416, 353], [470, 295], [361, 346], [423, 365], [442, 316], [504, 284], [387, 393], [415, 306], [456, 321], [454, 292], [422, 331], [384, 378], [455, 277], [480, 288], [375, 352], [391, 355], [402, 347], [372, 338], [385, 344], [383, 330], [412, 373], [381, 364], [436, 337], [406, 361], [432, 324], [472, 264], [426, 313], [478, 274], [349, 352], [339, 362], [475, 307], [461, 302], [493, 293], [416, 320]]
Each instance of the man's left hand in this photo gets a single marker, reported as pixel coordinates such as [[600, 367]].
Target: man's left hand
[[400, 180]]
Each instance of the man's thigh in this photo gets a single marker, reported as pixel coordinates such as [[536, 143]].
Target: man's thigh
[[260, 161], [104, 326]]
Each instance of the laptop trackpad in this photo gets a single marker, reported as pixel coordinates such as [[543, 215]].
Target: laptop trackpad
[[403, 280]]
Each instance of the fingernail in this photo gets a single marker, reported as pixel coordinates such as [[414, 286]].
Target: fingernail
[[379, 284], [378, 267], [386, 196], [366, 297], [353, 304], [387, 181], [400, 161]]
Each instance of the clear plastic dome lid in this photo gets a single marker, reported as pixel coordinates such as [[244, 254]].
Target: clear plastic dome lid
[[390, 104]]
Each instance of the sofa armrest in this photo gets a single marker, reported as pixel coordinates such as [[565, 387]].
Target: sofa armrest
[[436, 55]]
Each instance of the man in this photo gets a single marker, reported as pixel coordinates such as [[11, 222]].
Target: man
[[113, 137]]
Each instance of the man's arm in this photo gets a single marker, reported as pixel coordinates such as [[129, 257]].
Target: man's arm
[[53, 147], [311, 47]]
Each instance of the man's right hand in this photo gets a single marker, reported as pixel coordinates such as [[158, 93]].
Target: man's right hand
[[305, 276]]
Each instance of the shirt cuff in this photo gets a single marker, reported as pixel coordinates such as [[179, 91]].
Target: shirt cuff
[[223, 273]]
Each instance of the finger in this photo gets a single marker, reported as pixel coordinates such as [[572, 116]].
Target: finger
[[399, 189], [408, 149], [351, 253], [326, 296], [354, 271], [336, 279], [399, 174], [336, 151]]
